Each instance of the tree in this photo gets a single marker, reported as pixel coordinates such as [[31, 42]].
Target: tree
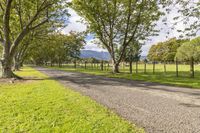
[[189, 16], [20, 17], [117, 23], [165, 51], [190, 51], [56, 48]]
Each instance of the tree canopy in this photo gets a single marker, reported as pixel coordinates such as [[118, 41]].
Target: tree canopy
[[20, 17], [56, 48], [165, 51], [189, 50], [117, 23]]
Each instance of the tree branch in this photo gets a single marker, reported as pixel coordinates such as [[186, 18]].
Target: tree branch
[[133, 35], [40, 24], [1, 7], [6, 20]]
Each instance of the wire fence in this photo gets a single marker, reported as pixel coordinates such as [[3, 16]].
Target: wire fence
[[177, 69]]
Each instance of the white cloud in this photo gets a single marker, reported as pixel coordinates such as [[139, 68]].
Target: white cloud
[[91, 45], [74, 23]]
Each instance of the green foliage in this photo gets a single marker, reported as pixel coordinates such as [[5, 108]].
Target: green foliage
[[47, 106], [189, 50], [56, 48], [20, 17], [190, 16], [133, 52], [165, 51]]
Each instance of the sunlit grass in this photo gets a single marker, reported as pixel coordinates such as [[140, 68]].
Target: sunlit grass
[[159, 76], [46, 106]]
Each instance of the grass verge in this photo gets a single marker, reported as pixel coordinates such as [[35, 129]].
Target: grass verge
[[159, 77], [46, 106]]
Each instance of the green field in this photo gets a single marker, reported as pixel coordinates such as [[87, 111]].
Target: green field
[[159, 76], [44, 105]]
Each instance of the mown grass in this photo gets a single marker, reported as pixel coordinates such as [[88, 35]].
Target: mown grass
[[159, 76], [46, 106]]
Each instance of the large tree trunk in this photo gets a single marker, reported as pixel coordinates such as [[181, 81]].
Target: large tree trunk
[[7, 68], [115, 67]]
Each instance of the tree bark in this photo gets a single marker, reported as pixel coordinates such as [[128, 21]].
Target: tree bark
[[16, 66], [115, 68], [7, 68]]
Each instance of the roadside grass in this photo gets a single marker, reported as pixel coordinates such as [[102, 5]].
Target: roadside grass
[[44, 105], [159, 76]]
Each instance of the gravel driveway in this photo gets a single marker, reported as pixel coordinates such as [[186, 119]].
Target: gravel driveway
[[157, 108]]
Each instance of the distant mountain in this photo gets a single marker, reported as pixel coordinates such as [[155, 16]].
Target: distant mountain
[[95, 54], [100, 55]]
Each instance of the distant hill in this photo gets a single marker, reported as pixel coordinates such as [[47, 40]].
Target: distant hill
[[95, 54], [99, 55]]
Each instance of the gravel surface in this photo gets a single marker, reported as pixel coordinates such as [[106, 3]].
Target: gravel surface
[[157, 108]]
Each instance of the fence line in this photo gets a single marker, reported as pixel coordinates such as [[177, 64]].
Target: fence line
[[142, 67]]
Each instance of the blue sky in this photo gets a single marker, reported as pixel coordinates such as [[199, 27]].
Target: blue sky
[[76, 25]]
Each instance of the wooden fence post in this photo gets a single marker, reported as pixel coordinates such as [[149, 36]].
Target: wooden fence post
[[131, 67], [136, 70], [177, 67], [101, 65], [153, 67], [145, 67], [192, 67]]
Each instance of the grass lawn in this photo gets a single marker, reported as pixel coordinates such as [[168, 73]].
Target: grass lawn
[[159, 76], [46, 106]]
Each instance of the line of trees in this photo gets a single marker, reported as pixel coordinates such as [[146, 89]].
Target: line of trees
[[19, 18], [120, 25], [176, 50], [55, 49]]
